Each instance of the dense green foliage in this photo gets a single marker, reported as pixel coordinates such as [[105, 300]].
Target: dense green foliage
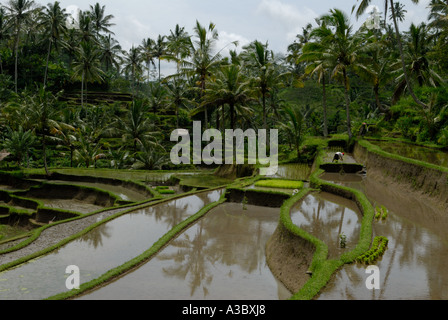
[[71, 96]]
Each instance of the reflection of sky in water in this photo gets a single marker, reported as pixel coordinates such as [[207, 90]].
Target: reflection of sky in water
[[100, 250], [327, 220], [414, 264], [220, 257], [298, 171]]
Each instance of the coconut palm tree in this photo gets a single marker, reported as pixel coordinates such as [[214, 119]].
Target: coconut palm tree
[[158, 97], [294, 126], [40, 110], [362, 7], [147, 54], [204, 59], [19, 12], [160, 50], [101, 21], [87, 66], [313, 53], [135, 126], [87, 151], [150, 156], [266, 76], [260, 60], [177, 96], [419, 67], [345, 52], [19, 144], [178, 44], [230, 87], [110, 53], [4, 33], [53, 21], [133, 65], [438, 14]]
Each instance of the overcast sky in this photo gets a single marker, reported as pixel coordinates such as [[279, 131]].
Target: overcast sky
[[274, 21]]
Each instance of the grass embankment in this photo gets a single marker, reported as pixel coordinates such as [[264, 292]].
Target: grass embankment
[[377, 150], [322, 269]]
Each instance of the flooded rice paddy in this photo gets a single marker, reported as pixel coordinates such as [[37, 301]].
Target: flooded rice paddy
[[294, 171], [105, 247], [416, 152], [414, 264], [221, 257], [327, 217]]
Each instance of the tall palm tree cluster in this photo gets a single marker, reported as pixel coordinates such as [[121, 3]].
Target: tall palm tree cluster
[[394, 65], [46, 53]]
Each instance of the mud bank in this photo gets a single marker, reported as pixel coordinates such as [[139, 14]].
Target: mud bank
[[423, 180], [289, 258]]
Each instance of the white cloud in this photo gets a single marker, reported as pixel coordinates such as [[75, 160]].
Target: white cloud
[[226, 39], [287, 15], [132, 31]]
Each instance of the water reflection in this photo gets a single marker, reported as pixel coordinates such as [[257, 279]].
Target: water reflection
[[221, 257], [326, 217], [103, 248], [295, 171], [414, 265]]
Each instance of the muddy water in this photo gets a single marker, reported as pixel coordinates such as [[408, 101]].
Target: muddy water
[[433, 156], [414, 265], [296, 171], [106, 247], [221, 257], [326, 217]]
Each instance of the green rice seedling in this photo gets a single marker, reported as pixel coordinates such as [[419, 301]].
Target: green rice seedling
[[281, 184], [376, 251], [377, 213], [384, 213], [166, 191]]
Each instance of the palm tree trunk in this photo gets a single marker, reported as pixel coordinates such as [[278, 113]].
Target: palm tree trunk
[[324, 104], [265, 125], [217, 118], [159, 69], [347, 105], [403, 63], [17, 56], [232, 116], [205, 108], [223, 122], [44, 151], [82, 91], [46, 65], [177, 115]]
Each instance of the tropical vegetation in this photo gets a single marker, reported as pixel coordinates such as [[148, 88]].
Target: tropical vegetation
[[72, 96]]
